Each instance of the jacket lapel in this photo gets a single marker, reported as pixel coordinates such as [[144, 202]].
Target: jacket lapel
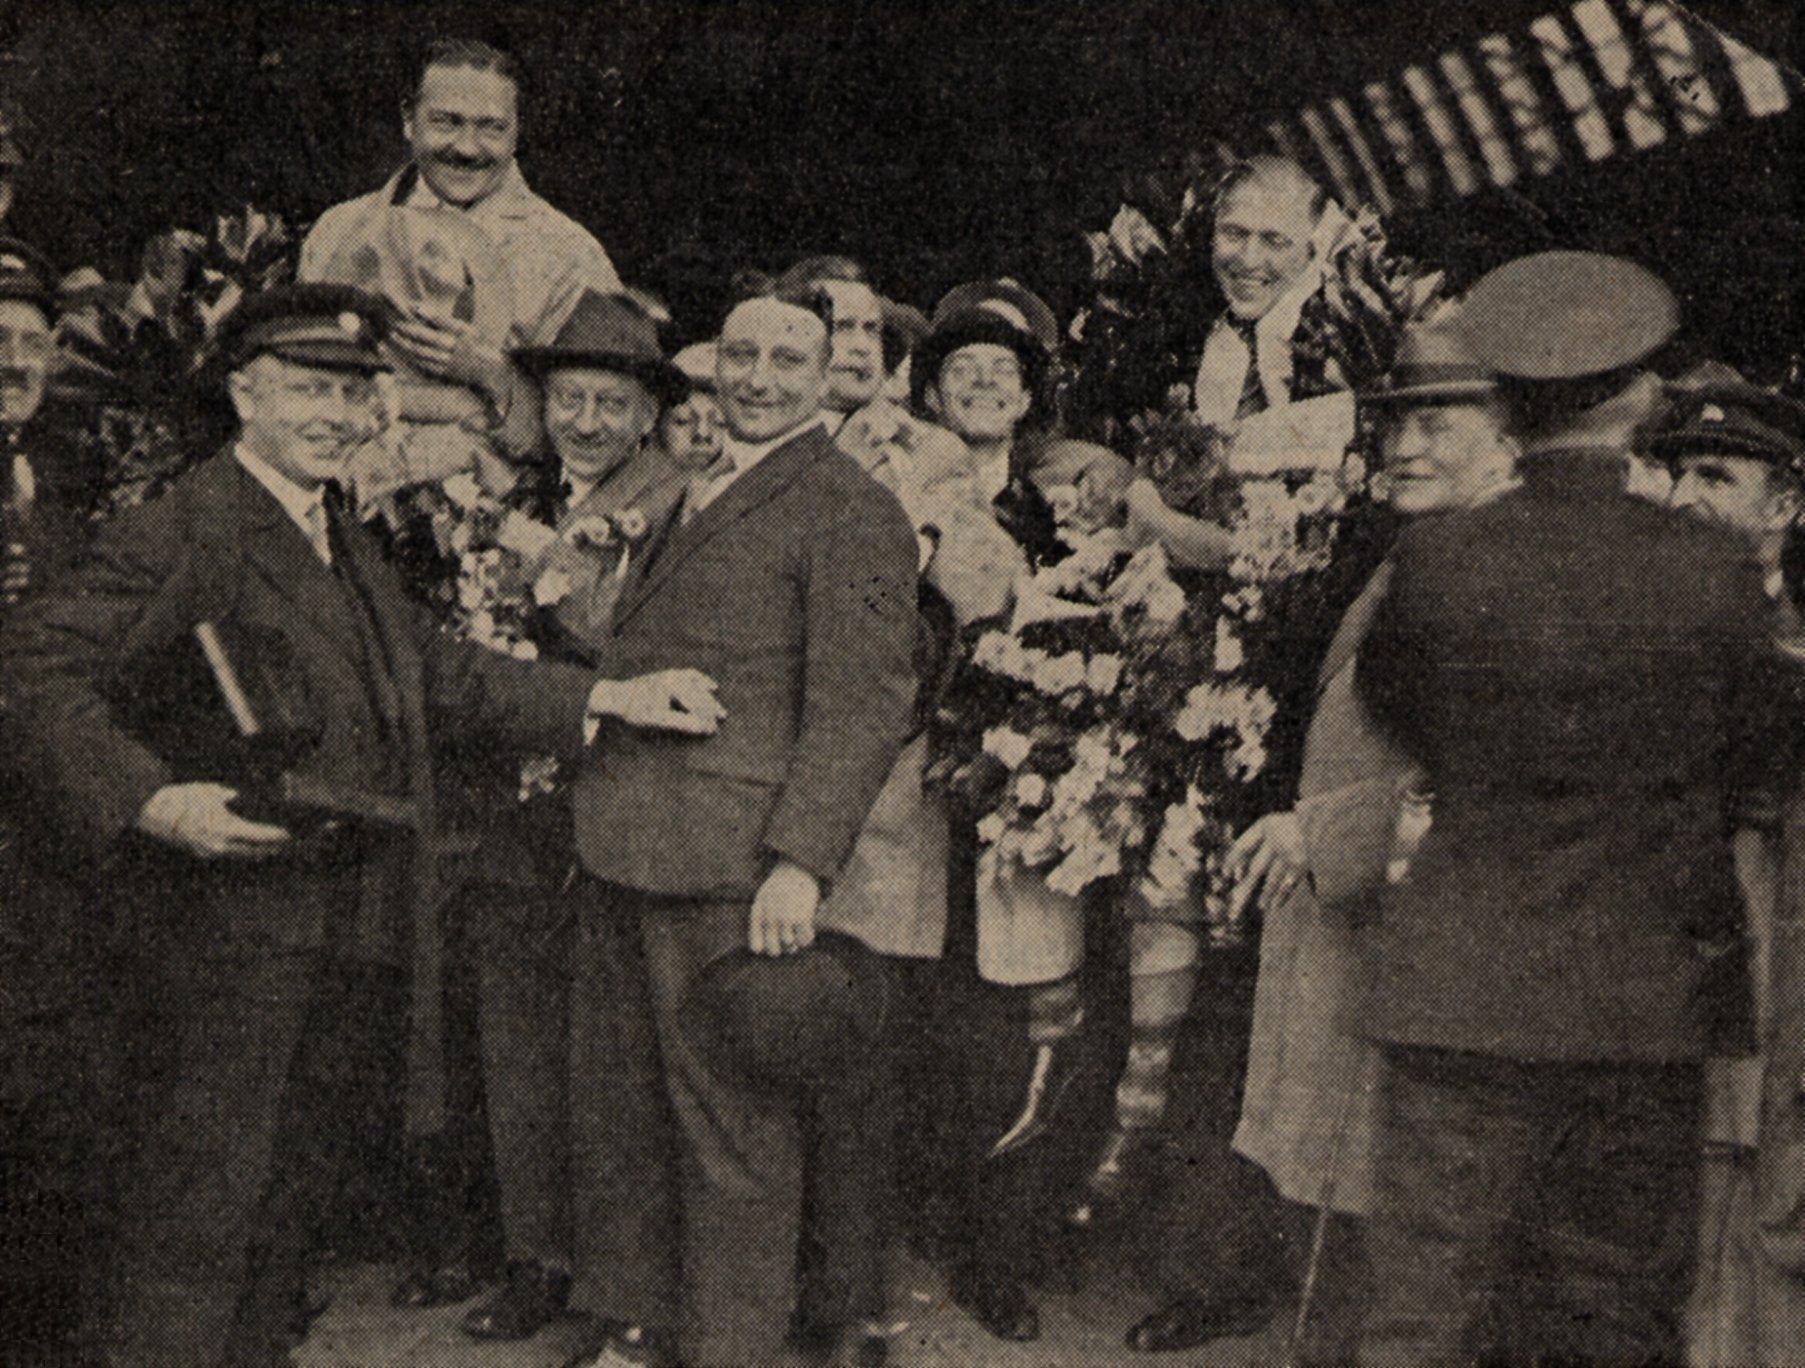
[[279, 553], [1353, 628], [758, 486]]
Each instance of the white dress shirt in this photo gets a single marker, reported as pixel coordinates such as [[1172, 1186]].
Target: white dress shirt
[[307, 507]]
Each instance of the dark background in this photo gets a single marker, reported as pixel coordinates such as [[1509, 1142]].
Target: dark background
[[937, 141]]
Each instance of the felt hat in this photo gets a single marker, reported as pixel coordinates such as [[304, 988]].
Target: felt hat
[[1558, 316], [1432, 366], [785, 1021], [609, 332], [336, 327]]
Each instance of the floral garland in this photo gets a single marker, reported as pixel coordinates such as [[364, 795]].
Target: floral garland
[[1117, 727]]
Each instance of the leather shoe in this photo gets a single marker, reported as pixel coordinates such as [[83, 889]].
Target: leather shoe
[[443, 1286], [1001, 1306], [532, 1297], [620, 1344], [1191, 1321]]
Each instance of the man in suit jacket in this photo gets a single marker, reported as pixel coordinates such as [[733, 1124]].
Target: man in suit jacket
[[574, 1095], [788, 585], [1581, 673], [256, 951]]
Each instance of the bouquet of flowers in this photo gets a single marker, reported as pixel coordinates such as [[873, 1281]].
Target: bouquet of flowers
[[1117, 726], [507, 568]]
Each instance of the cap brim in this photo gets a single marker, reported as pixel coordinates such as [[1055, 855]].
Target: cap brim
[[329, 356], [1718, 441], [1435, 392]]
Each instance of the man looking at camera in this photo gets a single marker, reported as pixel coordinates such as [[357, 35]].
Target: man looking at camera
[[790, 581], [462, 125]]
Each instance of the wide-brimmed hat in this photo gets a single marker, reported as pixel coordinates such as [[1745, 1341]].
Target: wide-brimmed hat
[[1432, 366], [609, 332], [335, 327], [1556, 316], [1732, 417], [998, 312]]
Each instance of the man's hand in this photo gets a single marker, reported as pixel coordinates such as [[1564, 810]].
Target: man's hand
[[670, 700], [1269, 855], [449, 349], [196, 818], [783, 913]]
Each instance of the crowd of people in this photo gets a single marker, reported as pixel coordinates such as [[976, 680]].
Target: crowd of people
[[557, 744]]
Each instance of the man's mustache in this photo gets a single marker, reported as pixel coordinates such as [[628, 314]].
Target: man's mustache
[[16, 376], [462, 163]]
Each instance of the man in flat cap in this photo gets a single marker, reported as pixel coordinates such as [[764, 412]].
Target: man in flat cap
[[257, 938], [1582, 675], [1738, 457]]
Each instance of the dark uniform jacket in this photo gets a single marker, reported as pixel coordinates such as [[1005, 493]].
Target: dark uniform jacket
[[795, 590], [218, 547], [1586, 677]]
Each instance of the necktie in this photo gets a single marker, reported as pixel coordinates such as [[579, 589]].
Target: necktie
[[318, 532], [1253, 393]]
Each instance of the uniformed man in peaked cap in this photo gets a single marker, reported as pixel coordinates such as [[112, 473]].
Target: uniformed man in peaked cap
[[1572, 666], [1738, 456], [254, 952]]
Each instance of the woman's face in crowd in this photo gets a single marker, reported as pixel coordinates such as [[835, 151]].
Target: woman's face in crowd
[[25, 350], [692, 431], [462, 131], [1261, 245], [1737, 492], [1444, 455], [596, 418], [980, 394]]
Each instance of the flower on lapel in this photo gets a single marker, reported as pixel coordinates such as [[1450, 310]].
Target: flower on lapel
[[632, 523]]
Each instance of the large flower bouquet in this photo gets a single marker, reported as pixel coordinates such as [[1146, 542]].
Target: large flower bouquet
[[1117, 727]]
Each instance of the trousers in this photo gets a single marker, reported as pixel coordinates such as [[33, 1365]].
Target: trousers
[[1532, 1212], [762, 1094]]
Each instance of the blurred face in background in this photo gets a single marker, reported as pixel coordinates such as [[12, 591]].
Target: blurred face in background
[[1440, 456], [856, 373], [980, 392], [1261, 243], [691, 432], [26, 347], [1739, 492], [597, 419], [463, 129], [771, 371]]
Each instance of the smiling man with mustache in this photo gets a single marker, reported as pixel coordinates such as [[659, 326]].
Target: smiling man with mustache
[[462, 125]]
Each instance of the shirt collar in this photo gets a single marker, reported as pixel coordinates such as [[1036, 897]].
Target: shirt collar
[[297, 502]]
